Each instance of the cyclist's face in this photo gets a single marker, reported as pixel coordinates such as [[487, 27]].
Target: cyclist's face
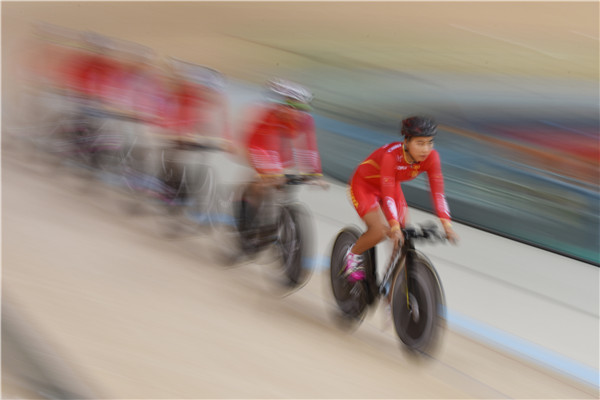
[[288, 114], [419, 147]]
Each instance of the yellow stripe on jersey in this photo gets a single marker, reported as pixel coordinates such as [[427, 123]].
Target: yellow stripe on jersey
[[373, 163]]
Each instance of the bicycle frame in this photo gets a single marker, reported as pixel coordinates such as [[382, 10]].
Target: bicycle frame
[[401, 259], [273, 202], [410, 283]]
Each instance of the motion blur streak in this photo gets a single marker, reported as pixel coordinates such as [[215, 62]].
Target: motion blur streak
[[123, 129]]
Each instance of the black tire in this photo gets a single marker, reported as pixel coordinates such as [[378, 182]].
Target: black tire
[[352, 298], [292, 241], [418, 316]]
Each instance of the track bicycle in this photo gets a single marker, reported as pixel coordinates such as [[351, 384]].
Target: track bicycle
[[410, 285], [183, 186], [279, 221]]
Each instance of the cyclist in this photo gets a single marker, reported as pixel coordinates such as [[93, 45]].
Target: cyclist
[[375, 186], [196, 108], [281, 138], [195, 114]]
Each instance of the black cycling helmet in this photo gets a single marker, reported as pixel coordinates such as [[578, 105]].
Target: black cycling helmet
[[418, 126]]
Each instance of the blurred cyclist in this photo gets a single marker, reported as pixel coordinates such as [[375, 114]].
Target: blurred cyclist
[[194, 116], [196, 109], [281, 139], [375, 186]]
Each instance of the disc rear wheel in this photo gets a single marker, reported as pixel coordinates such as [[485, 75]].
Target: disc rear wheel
[[351, 298]]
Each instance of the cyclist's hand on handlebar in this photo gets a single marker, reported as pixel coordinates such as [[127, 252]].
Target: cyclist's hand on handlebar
[[396, 235], [272, 180], [317, 179], [321, 182], [450, 234], [231, 148]]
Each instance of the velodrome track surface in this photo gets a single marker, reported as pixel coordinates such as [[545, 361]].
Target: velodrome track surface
[[108, 308]]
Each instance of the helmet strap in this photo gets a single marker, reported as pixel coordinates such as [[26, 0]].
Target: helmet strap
[[407, 153]]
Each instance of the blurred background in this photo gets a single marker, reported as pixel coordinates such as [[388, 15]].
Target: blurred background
[[514, 86]]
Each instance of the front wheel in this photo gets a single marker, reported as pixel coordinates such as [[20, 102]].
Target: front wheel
[[292, 242], [417, 306]]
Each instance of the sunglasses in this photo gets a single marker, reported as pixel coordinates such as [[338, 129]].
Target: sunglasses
[[298, 105]]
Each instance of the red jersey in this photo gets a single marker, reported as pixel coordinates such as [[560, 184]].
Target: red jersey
[[91, 75], [275, 143], [377, 181], [183, 107]]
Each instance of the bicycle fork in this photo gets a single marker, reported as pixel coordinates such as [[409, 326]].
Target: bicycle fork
[[398, 258]]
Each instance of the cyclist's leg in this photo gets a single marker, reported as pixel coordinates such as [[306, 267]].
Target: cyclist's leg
[[173, 169], [249, 204], [269, 167], [366, 203], [377, 230], [267, 164]]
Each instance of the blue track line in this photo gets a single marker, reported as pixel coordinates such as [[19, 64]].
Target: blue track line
[[522, 347], [504, 340]]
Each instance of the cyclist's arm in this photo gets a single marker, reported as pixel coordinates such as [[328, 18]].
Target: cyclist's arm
[[436, 185], [388, 189], [311, 151], [212, 125], [247, 137], [226, 133]]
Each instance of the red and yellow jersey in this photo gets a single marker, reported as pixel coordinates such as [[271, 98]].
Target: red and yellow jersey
[[382, 172], [281, 137], [91, 75]]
